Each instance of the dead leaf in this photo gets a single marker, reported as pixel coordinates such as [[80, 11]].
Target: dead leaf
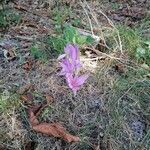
[[120, 68], [27, 98], [36, 108], [32, 118], [51, 129], [10, 54], [25, 88], [27, 65], [56, 130], [31, 145], [49, 99]]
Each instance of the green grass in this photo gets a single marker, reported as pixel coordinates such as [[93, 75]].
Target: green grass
[[129, 97], [131, 39], [37, 53], [8, 17], [8, 101], [135, 44]]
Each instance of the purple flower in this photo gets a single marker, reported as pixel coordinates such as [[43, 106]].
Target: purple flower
[[67, 67], [72, 54], [70, 63], [76, 82]]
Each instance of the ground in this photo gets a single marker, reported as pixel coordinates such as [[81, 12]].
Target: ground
[[112, 109]]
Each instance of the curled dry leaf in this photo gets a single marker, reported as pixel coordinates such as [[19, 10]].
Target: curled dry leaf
[[25, 88], [27, 65], [51, 129], [10, 54], [32, 118], [36, 109], [49, 99], [120, 68], [56, 130], [27, 98]]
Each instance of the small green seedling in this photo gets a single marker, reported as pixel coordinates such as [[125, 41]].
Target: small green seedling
[[38, 54], [69, 35], [143, 53]]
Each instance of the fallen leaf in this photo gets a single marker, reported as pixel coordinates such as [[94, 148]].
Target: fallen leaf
[[25, 88], [120, 68], [51, 129], [49, 99], [10, 54], [27, 65], [32, 118], [56, 130], [36, 108], [27, 98]]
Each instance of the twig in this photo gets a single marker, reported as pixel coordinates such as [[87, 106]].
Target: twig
[[109, 21], [101, 53], [25, 8], [86, 33], [24, 38], [91, 26]]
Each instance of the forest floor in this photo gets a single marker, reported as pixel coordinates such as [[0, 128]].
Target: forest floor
[[112, 109]]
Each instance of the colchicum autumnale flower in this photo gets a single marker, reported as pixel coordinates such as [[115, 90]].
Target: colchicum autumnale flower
[[70, 63]]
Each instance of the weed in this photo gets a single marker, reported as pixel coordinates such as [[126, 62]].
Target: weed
[[130, 39], [143, 28], [66, 33], [136, 45], [69, 35], [46, 112], [8, 101], [61, 15], [129, 99], [143, 53], [38, 54], [8, 17]]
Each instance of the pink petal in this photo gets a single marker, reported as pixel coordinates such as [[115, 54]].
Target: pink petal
[[72, 52], [61, 56], [70, 80], [80, 80]]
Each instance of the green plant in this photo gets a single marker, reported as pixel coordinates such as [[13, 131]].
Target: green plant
[[8, 17], [38, 54], [143, 53], [69, 35], [130, 39], [8, 101], [46, 111]]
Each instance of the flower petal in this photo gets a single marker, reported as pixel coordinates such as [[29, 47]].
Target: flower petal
[[61, 56], [72, 52], [80, 80]]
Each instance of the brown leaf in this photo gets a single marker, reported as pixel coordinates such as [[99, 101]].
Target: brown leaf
[[10, 53], [51, 129], [120, 68], [36, 108], [32, 118], [25, 88], [56, 130], [49, 99], [27, 98], [34, 112], [31, 145], [27, 65]]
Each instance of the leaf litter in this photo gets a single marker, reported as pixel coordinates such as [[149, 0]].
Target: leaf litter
[[51, 129]]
